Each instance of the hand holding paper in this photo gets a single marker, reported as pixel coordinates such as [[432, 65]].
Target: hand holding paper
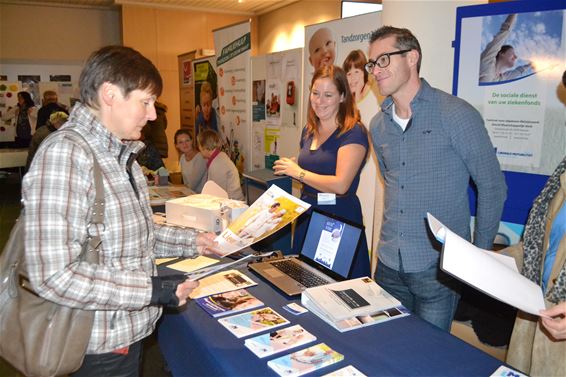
[[489, 272]]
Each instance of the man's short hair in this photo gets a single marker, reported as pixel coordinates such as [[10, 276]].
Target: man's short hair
[[121, 66], [49, 96], [564, 78], [208, 139], [404, 40]]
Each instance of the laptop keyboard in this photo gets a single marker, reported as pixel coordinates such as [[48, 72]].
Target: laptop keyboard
[[300, 274]]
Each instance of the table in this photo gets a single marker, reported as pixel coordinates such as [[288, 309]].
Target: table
[[13, 157], [195, 344]]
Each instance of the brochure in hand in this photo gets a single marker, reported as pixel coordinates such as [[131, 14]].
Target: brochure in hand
[[274, 209], [305, 361], [228, 303], [249, 323], [279, 340]]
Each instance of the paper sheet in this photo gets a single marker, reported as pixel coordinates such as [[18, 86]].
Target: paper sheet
[[491, 273], [190, 265]]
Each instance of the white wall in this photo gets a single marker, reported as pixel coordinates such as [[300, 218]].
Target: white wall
[[434, 25]]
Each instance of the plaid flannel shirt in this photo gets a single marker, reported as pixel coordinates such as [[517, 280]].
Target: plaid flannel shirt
[[58, 193]]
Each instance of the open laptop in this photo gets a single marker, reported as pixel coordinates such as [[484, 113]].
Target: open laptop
[[327, 255]]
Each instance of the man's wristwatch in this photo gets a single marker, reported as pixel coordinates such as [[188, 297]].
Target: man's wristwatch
[[302, 176]]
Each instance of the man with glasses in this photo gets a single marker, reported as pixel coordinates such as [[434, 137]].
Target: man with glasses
[[429, 144]]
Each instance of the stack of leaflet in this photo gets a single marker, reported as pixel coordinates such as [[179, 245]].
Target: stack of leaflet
[[351, 304]]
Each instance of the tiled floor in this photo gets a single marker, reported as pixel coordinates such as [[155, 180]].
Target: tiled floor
[[153, 363]]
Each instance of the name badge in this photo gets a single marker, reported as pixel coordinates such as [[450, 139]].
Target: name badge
[[326, 199]]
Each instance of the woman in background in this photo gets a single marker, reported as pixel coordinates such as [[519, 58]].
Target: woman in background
[[192, 164], [334, 146], [22, 116]]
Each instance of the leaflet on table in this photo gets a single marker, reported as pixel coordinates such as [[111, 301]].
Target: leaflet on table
[[305, 361], [274, 209], [189, 265], [349, 298], [360, 321], [203, 272], [492, 273], [158, 195], [221, 282], [228, 302], [347, 371], [278, 341], [249, 323]]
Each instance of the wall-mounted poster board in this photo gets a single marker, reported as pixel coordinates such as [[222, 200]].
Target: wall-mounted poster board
[[233, 47], [509, 60], [276, 105]]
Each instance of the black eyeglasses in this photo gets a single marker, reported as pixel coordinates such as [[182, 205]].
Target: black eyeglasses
[[383, 60]]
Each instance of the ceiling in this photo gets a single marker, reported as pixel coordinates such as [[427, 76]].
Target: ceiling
[[245, 7]]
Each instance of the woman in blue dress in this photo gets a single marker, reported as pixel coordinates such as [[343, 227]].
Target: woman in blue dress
[[334, 148]]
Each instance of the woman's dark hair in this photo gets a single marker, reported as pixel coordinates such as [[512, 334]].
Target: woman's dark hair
[[27, 98], [182, 131], [348, 114], [503, 50], [121, 66]]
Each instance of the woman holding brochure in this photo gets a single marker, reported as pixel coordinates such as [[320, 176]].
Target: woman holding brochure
[[334, 148], [539, 349]]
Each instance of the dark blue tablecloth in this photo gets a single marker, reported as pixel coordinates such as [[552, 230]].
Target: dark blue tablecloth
[[195, 344]]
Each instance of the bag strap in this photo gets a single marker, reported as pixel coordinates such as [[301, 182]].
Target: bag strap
[[91, 249]]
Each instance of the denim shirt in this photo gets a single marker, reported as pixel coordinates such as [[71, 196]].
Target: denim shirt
[[427, 168]]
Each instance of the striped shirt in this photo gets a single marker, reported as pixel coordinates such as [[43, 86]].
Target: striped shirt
[[58, 193], [427, 168]]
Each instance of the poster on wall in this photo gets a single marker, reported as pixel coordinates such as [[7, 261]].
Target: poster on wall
[[233, 44], [258, 100], [345, 43], [509, 60], [8, 101], [207, 111]]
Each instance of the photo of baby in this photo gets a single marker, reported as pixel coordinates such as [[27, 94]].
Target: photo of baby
[[322, 48]]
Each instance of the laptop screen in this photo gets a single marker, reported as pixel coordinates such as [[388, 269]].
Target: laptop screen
[[331, 243]]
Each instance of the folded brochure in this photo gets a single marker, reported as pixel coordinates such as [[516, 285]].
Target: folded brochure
[[279, 340], [305, 360]]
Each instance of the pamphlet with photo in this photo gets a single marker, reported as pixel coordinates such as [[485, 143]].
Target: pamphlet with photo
[[228, 302], [274, 209], [253, 322], [279, 340], [305, 361]]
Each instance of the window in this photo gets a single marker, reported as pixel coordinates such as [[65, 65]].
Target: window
[[354, 8]]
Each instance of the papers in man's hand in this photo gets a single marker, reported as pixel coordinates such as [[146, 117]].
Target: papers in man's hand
[[201, 273], [491, 273], [274, 209]]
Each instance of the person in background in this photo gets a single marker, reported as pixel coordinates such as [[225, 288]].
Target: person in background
[[538, 344], [118, 88], [191, 162], [220, 168], [206, 114], [49, 105], [21, 117], [428, 144], [154, 130], [333, 150], [56, 120]]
